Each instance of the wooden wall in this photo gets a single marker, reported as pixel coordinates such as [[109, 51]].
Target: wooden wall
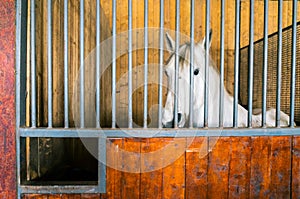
[[7, 99], [232, 167]]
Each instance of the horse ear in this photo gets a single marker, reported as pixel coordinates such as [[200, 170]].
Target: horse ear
[[209, 40], [170, 43]]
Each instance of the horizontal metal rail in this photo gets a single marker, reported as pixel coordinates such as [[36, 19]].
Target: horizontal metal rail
[[58, 189], [153, 132]]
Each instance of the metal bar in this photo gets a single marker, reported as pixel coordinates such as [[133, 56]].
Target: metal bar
[[206, 78], [161, 62], [293, 71], [102, 164], [82, 64], [236, 63], [49, 37], [98, 65], [221, 102], [265, 64], [130, 64], [192, 63], [21, 58], [145, 63], [177, 43], [279, 63], [114, 16], [66, 67], [251, 57], [151, 133], [21, 54], [59, 189], [33, 66]]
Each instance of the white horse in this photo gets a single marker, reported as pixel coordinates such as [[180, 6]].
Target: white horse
[[198, 99]]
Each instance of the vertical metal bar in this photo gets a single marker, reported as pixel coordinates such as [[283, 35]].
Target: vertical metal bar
[[221, 101], [207, 35], [82, 64], [177, 40], [129, 63], [102, 164], [114, 16], [236, 63], [21, 54], [66, 76], [98, 66], [293, 71], [145, 63], [161, 61], [49, 24], [279, 63], [251, 57], [265, 64], [33, 67], [192, 63]]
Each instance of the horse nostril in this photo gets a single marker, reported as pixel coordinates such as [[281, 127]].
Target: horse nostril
[[179, 117]]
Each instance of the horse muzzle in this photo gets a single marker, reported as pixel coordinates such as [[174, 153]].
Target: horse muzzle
[[180, 122]]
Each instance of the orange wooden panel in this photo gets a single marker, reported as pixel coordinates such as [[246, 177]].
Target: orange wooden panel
[[90, 196], [280, 167], [113, 175], [260, 167], [218, 167], [296, 167], [196, 168], [131, 161], [174, 173], [151, 168], [239, 168]]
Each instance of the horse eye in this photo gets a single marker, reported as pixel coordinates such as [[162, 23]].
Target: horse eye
[[196, 72]]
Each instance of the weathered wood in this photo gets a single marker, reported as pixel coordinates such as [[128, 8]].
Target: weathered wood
[[196, 168], [151, 168], [131, 161], [239, 168], [113, 184], [218, 167], [173, 180], [280, 164], [260, 167], [296, 167], [236, 167]]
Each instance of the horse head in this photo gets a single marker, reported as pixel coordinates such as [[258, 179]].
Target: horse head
[[183, 81]]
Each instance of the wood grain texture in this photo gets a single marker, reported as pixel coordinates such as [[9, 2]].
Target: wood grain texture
[[218, 167], [280, 163], [296, 167], [7, 99], [196, 168], [260, 167], [235, 167], [173, 180], [151, 168], [239, 168]]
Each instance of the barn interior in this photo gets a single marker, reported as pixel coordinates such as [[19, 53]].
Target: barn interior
[[67, 160]]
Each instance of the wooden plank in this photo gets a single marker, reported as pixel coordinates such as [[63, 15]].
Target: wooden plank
[[131, 160], [196, 168], [296, 168], [151, 168], [174, 172], [280, 167], [239, 168], [218, 167], [260, 167], [113, 182]]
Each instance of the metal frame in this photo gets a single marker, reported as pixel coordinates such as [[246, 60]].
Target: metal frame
[[103, 134]]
